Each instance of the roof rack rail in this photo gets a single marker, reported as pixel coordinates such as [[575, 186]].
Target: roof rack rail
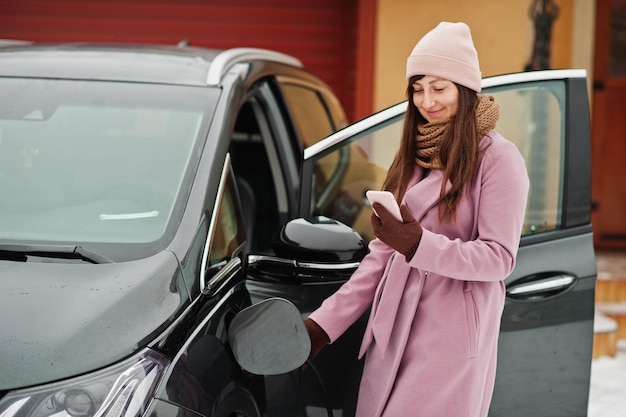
[[226, 59]]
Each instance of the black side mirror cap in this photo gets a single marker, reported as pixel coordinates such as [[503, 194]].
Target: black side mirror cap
[[319, 239]]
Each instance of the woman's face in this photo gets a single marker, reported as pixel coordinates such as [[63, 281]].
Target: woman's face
[[436, 99]]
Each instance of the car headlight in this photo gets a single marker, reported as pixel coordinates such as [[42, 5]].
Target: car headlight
[[123, 390]]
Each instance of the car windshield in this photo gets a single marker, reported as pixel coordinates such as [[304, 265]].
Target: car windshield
[[91, 161]]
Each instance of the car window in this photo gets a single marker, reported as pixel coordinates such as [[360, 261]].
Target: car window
[[532, 117], [98, 162], [309, 113], [343, 176], [335, 109], [227, 231]]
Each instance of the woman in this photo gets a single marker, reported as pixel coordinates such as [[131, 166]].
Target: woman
[[434, 282]]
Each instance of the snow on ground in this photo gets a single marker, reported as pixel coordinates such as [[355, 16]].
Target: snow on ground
[[607, 393]]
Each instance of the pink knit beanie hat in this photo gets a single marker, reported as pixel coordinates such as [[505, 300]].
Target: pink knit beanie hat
[[448, 52]]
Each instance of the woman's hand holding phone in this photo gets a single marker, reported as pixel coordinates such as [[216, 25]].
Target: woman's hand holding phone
[[400, 231], [388, 201]]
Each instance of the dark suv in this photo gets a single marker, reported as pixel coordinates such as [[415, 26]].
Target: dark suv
[[151, 193]]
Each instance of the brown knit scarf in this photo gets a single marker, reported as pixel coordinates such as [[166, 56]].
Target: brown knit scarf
[[429, 135]]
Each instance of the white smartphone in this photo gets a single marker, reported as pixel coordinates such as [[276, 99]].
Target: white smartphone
[[385, 198]]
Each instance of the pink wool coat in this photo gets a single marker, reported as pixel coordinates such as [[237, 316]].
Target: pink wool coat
[[431, 342]]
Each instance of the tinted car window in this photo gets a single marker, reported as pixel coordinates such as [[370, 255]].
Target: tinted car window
[[335, 109], [309, 113], [532, 117], [97, 162], [342, 177]]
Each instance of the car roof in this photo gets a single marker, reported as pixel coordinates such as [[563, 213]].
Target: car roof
[[132, 63]]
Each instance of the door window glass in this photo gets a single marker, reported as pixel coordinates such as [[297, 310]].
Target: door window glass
[[532, 117], [310, 116], [342, 177]]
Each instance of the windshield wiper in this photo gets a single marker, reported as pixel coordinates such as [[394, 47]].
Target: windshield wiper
[[51, 251]]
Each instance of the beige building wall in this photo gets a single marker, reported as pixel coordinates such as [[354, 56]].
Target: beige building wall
[[502, 31]]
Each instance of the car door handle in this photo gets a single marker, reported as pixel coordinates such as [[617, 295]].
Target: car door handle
[[543, 286]]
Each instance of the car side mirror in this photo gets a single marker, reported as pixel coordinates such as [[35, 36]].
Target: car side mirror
[[319, 239], [269, 338]]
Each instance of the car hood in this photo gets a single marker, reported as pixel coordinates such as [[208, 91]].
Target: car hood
[[61, 320]]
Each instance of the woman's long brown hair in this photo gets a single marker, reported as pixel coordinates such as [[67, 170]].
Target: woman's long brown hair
[[459, 152]]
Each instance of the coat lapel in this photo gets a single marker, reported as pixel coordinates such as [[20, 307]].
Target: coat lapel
[[423, 196]]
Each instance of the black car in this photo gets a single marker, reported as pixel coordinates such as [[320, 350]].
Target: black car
[[149, 194]]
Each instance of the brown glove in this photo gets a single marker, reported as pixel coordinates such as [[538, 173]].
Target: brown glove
[[404, 237], [318, 336]]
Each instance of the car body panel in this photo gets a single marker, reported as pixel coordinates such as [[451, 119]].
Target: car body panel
[[203, 372], [60, 342], [546, 340]]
